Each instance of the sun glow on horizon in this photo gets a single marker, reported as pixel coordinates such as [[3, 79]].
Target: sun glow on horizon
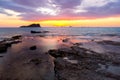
[[60, 13], [102, 22], [13, 21]]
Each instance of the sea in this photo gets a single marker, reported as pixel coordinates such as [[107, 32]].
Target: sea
[[62, 31]]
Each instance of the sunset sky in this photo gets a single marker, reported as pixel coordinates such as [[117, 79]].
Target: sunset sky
[[57, 13]]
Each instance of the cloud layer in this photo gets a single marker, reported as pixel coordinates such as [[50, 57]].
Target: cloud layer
[[59, 9]]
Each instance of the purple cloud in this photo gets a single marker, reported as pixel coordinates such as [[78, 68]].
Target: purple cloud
[[67, 3], [110, 9], [31, 3], [45, 9], [5, 4]]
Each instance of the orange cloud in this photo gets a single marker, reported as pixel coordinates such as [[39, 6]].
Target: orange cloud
[[14, 21], [102, 22]]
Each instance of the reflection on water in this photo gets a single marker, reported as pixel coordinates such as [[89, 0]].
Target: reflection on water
[[21, 54], [46, 43], [20, 59], [7, 32]]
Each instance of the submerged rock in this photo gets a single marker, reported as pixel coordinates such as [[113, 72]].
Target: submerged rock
[[34, 32], [33, 48], [16, 37], [8, 42], [4, 45], [35, 61], [66, 40], [1, 56], [3, 48], [109, 42], [56, 53], [63, 52]]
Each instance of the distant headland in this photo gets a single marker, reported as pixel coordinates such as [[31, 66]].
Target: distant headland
[[31, 26]]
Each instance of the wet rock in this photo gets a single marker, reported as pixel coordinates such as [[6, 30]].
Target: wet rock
[[109, 42], [53, 53], [61, 63], [108, 74], [16, 37], [112, 35], [85, 67], [41, 35], [77, 44], [15, 42], [63, 52], [79, 53], [78, 49], [82, 52], [33, 48], [82, 71], [34, 32], [66, 40], [92, 40], [35, 61], [56, 53], [3, 48], [7, 43], [1, 56], [10, 42], [88, 54], [116, 62]]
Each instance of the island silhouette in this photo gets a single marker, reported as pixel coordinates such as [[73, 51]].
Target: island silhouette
[[31, 26]]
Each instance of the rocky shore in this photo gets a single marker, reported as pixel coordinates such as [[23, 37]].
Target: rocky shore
[[8, 42], [57, 58], [82, 64]]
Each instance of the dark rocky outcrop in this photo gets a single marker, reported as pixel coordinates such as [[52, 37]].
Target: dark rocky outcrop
[[78, 63], [3, 48], [34, 32], [63, 52], [16, 37], [33, 48], [8, 42], [65, 40], [109, 42], [30, 26]]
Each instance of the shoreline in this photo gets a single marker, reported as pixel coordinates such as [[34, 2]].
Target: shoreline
[[59, 58]]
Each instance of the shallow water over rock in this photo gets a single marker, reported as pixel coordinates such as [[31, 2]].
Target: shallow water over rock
[[73, 57], [110, 68]]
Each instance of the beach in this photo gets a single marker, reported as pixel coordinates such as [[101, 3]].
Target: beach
[[60, 54]]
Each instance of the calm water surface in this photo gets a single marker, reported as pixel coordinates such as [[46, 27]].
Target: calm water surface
[[8, 32]]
